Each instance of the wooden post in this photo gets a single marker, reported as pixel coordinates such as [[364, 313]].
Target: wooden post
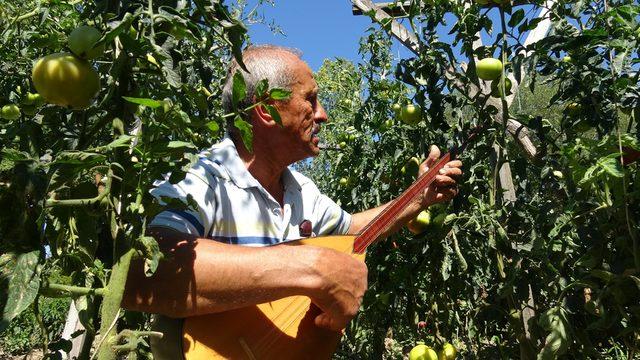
[[72, 325]]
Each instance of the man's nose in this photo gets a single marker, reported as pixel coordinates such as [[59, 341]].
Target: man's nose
[[320, 115]]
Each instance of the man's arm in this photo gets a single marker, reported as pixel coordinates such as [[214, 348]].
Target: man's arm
[[202, 276], [442, 190]]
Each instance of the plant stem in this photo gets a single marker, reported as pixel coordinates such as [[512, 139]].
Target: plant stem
[[111, 304], [69, 290], [43, 328]]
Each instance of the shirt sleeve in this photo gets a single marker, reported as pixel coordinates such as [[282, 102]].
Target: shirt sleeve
[[331, 219], [196, 219]]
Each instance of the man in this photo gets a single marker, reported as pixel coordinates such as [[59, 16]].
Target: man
[[254, 199]]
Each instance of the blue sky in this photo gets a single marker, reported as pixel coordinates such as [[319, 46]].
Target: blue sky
[[320, 29], [327, 29]]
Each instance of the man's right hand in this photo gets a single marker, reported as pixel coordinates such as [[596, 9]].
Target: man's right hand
[[341, 283]]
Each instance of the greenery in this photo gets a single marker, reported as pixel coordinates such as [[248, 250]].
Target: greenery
[[551, 273], [24, 334]]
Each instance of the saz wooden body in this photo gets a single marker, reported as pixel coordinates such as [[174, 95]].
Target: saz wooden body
[[282, 329]]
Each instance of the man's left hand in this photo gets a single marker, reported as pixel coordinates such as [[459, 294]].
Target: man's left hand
[[444, 187]]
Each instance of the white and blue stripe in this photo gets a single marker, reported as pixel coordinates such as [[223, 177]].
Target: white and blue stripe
[[233, 207]]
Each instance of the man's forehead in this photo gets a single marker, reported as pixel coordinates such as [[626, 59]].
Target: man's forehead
[[304, 76]]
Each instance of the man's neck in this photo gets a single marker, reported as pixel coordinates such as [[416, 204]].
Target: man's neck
[[264, 166]]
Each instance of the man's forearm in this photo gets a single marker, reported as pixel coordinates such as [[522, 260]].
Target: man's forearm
[[227, 276]]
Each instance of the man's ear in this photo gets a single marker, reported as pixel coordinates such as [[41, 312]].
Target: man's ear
[[263, 115]]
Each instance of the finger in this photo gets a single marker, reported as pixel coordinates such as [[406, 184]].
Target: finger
[[443, 181], [446, 194], [325, 321], [434, 155], [453, 163], [451, 172]]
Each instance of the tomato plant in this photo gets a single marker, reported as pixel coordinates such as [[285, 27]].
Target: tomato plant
[[570, 227]]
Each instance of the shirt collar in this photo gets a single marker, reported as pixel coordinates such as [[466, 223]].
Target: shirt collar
[[226, 155]]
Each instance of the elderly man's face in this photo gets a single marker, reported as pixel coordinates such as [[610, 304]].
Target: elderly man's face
[[302, 114]]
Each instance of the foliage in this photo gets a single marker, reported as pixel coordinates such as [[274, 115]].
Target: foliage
[[553, 274], [75, 183], [24, 333]]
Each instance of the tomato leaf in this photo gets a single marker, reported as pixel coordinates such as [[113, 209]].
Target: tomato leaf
[[611, 165], [261, 89], [245, 132], [279, 94], [239, 91], [150, 250], [22, 284], [144, 101], [274, 113]]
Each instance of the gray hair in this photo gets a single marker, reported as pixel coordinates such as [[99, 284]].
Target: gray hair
[[263, 62]]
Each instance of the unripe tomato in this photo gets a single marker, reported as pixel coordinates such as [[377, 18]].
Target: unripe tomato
[[33, 99], [65, 80], [386, 125], [10, 112], [167, 105], [342, 145], [411, 167], [489, 69], [422, 352], [496, 89], [567, 59], [344, 182], [396, 108], [411, 114], [420, 223], [82, 42], [448, 352]]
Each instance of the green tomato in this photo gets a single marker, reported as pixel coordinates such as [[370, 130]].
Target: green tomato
[[420, 223], [167, 105], [567, 59], [411, 167], [422, 352], [33, 99], [342, 145], [489, 68], [10, 112], [386, 125], [448, 352], [344, 182], [65, 80], [496, 89], [396, 108], [82, 42], [411, 114]]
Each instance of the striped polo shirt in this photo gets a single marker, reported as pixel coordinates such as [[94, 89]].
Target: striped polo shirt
[[231, 206]]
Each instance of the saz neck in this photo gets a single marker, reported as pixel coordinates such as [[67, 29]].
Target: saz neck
[[381, 223]]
